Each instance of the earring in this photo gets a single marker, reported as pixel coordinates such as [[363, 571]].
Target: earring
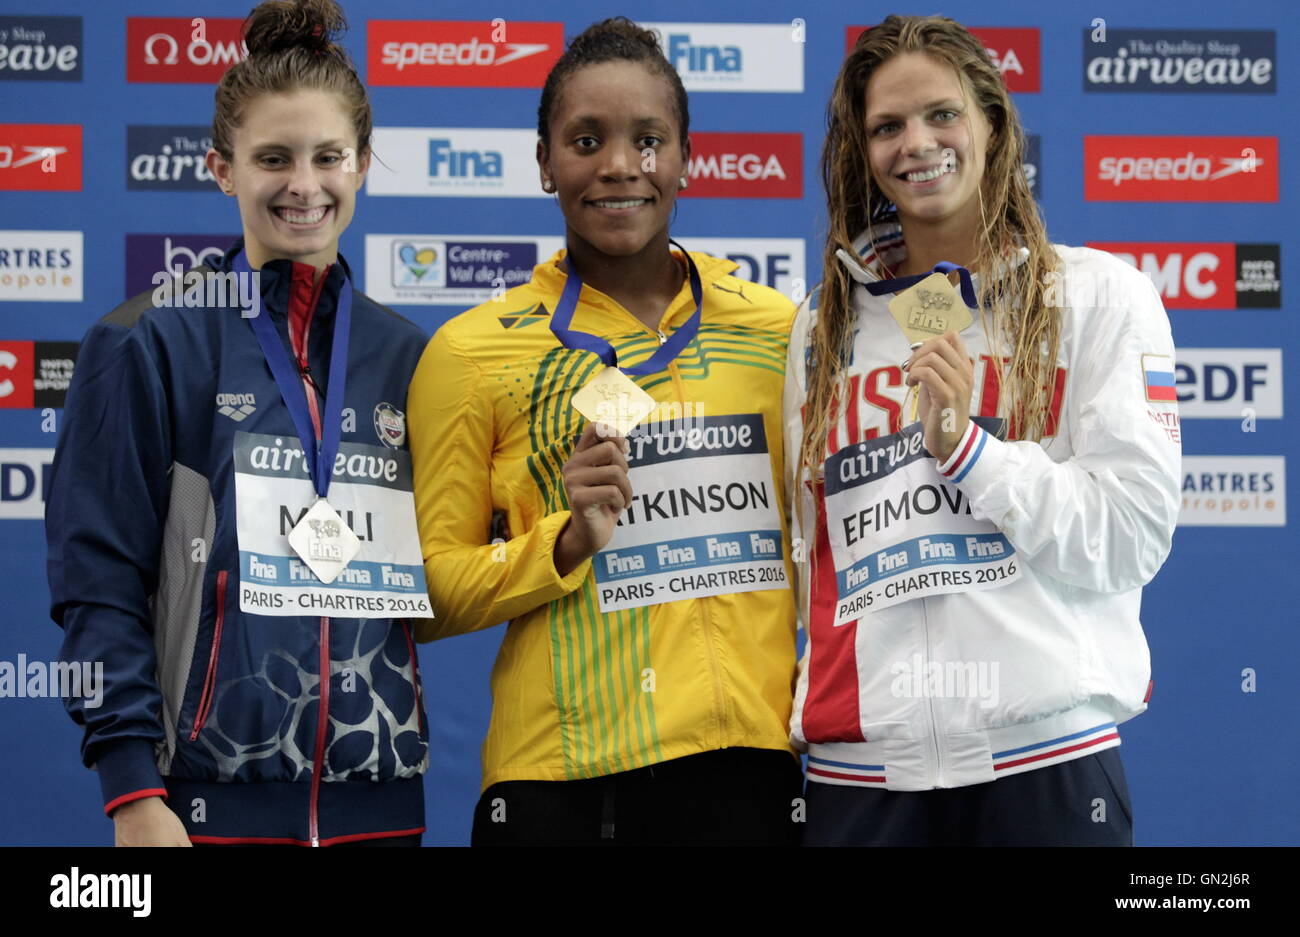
[[548, 185], [682, 183]]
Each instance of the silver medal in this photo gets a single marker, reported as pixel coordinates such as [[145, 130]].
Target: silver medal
[[324, 542]]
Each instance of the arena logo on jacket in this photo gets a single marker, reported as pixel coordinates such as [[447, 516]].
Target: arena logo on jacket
[[40, 48]]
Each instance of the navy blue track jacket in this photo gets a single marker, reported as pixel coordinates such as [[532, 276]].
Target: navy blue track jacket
[[218, 710]]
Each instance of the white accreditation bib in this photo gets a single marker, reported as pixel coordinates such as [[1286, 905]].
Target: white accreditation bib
[[704, 518], [899, 531], [371, 491]]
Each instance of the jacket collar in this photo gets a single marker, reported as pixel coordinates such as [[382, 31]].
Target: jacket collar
[[882, 246], [276, 280]]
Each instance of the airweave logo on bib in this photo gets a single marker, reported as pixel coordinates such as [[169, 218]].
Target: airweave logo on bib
[[733, 56], [1180, 169], [462, 54], [1233, 491], [455, 162], [1207, 276], [1240, 61]]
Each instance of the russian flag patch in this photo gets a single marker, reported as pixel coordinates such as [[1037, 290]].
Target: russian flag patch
[[1158, 377]]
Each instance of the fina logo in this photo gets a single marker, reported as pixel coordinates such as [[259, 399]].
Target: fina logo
[[461, 164], [687, 57]]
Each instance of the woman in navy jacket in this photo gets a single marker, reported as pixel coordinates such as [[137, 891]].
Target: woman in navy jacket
[[236, 706]]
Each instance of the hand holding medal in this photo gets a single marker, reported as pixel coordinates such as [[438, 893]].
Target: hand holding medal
[[931, 313]]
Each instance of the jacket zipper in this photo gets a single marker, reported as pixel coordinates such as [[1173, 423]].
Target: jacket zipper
[[934, 721], [322, 723], [210, 678]]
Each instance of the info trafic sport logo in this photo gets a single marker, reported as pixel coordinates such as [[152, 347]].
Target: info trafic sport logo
[[1183, 61], [40, 48], [1206, 275], [35, 374], [462, 54], [193, 50]]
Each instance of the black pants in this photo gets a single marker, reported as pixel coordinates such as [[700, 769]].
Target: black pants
[[1083, 802], [731, 797]]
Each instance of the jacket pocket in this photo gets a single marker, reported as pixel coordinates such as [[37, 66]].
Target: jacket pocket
[[210, 679]]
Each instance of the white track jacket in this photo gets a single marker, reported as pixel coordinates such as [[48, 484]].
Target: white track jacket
[[997, 595]]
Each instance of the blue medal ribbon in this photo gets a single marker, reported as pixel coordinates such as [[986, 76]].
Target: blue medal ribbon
[[585, 341], [320, 461], [881, 287]]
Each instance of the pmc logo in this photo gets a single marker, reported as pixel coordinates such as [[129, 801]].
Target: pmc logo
[[197, 50], [1180, 169]]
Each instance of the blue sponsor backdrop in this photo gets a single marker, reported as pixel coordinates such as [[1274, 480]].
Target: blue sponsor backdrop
[[1208, 763]]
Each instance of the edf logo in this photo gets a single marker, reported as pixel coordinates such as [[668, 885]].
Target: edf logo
[[1226, 382], [24, 480], [768, 269], [459, 164]]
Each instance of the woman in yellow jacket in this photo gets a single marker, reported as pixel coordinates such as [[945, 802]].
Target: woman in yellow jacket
[[643, 689]]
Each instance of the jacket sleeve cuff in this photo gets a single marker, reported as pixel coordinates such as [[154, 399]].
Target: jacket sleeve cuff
[[552, 526], [974, 463], [127, 772]]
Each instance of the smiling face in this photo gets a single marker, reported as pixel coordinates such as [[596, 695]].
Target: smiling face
[[927, 142], [295, 174], [615, 199]]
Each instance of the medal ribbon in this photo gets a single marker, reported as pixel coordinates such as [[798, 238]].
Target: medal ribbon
[[585, 341], [320, 461], [899, 283]]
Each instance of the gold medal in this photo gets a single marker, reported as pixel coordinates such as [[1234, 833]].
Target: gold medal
[[612, 398], [929, 309]]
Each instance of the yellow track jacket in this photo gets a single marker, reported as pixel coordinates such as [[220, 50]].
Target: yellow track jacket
[[578, 692]]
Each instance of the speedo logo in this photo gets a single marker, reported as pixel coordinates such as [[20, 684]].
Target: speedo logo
[[487, 54], [236, 406], [1180, 169]]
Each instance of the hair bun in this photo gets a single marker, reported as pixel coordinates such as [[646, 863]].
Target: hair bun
[[276, 25]]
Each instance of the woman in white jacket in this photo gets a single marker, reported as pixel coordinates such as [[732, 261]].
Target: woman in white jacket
[[979, 509]]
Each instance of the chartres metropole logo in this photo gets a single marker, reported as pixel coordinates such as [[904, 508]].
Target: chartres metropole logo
[[462, 54], [1013, 50], [1180, 169]]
